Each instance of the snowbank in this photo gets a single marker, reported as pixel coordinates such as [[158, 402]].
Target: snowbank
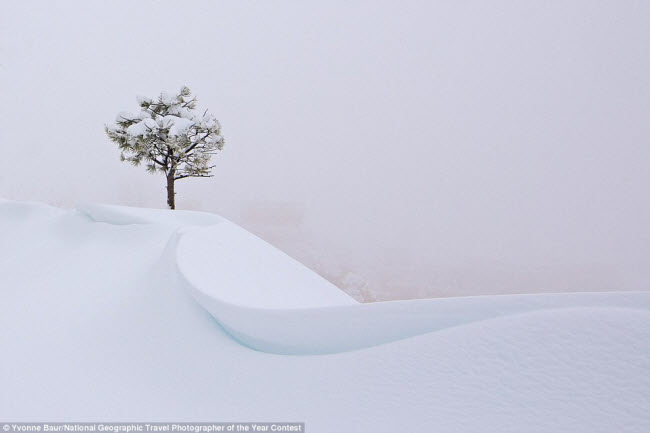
[[271, 303], [98, 324]]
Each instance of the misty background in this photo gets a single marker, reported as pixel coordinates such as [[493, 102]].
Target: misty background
[[400, 149]]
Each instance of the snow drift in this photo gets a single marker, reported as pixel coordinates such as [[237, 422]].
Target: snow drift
[[99, 298], [271, 303]]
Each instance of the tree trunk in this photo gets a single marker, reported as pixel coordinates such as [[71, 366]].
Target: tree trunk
[[170, 189]]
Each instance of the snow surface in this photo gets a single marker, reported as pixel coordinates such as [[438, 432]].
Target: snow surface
[[142, 128], [177, 125], [100, 320]]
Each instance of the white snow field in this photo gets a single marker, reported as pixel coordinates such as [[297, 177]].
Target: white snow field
[[123, 314]]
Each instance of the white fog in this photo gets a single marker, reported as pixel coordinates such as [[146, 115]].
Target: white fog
[[401, 152]]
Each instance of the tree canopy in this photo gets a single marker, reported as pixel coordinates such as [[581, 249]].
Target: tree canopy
[[169, 136]]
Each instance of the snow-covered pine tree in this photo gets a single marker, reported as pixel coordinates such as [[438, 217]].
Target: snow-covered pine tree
[[169, 136]]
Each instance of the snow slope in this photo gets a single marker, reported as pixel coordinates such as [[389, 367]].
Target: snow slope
[[237, 277], [100, 322]]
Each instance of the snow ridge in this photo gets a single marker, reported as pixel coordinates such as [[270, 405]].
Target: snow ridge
[[271, 303]]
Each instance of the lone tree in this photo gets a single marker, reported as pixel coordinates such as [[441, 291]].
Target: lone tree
[[169, 137]]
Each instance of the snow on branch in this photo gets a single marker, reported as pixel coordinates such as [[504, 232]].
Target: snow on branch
[[168, 135]]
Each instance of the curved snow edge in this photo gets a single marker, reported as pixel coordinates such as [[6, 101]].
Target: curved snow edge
[[312, 331], [339, 328], [124, 215], [341, 324]]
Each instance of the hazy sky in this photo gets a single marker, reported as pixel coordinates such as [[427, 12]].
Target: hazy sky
[[421, 148]]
